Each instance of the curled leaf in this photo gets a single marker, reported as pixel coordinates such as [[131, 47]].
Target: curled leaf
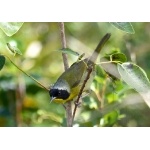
[[13, 49]]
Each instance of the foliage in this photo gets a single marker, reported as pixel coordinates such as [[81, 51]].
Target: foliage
[[111, 103], [10, 28], [136, 77], [124, 26]]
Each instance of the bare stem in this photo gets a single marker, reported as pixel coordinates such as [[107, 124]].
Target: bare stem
[[63, 42], [20, 93], [66, 66], [108, 62]]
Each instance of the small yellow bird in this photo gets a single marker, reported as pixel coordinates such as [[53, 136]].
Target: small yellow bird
[[69, 84]]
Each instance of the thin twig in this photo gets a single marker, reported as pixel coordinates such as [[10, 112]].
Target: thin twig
[[26, 73], [68, 106], [89, 70], [108, 62]]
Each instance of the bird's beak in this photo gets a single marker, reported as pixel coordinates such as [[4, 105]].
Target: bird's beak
[[52, 98]]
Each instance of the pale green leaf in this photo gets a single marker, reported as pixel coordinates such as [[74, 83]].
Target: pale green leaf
[[10, 28], [124, 26], [69, 51], [136, 78], [2, 61]]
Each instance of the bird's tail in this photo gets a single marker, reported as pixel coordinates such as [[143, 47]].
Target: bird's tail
[[99, 47]]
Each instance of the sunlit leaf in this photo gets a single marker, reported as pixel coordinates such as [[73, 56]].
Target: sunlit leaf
[[2, 61], [14, 49], [109, 119], [10, 28], [124, 26], [136, 78]]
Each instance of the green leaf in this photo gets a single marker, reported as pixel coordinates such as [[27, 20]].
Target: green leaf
[[110, 67], [14, 49], [2, 61], [10, 28], [69, 51], [118, 57], [110, 118], [136, 78], [124, 26]]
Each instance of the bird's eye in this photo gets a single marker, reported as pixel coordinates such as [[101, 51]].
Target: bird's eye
[[59, 93]]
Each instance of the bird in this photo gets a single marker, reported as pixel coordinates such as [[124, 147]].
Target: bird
[[69, 83]]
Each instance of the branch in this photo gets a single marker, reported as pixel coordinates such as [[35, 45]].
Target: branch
[[89, 70], [66, 66]]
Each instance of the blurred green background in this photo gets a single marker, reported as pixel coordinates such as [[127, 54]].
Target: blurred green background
[[24, 103]]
